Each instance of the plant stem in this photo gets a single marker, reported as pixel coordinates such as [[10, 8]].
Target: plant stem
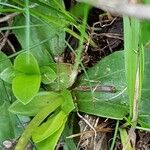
[[115, 135]]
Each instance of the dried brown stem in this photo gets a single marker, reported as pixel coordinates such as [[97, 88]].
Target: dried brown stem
[[8, 17]]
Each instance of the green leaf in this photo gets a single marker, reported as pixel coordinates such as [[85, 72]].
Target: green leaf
[[144, 110], [72, 123], [25, 87], [68, 104], [146, 1], [111, 72], [26, 64], [77, 10], [8, 74], [124, 139], [27, 83], [145, 32], [48, 75], [41, 100], [63, 71], [108, 72], [48, 128], [144, 120], [3, 93], [37, 120], [6, 123], [131, 45], [4, 61], [37, 44], [7, 120], [52, 34], [51, 141]]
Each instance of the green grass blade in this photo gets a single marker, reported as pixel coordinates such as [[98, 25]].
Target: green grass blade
[[115, 135], [27, 31], [131, 43], [125, 139], [11, 6]]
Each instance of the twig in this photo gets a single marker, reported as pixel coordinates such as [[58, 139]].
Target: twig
[[111, 35], [5, 36], [121, 7], [91, 132], [11, 46], [8, 17]]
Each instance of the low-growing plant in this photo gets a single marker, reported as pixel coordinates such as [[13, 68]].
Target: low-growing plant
[[34, 85]]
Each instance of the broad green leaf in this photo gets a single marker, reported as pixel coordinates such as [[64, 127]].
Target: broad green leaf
[[144, 114], [111, 72], [41, 100], [49, 127], [51, 141], [8, 74], [108, 72], [68, 104], [6, 123], [26, 64], [144, 120], [26, 85], [48, 74]]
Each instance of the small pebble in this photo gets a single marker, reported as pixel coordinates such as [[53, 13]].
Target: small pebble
[[7, 144]]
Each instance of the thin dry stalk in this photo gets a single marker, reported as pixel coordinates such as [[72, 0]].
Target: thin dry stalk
[[8, 17]]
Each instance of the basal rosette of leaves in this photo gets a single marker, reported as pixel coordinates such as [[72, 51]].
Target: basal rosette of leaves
[[51, 105], [110, 105]]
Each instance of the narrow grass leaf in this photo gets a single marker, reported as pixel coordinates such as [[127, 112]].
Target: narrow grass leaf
[[125, 139]]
